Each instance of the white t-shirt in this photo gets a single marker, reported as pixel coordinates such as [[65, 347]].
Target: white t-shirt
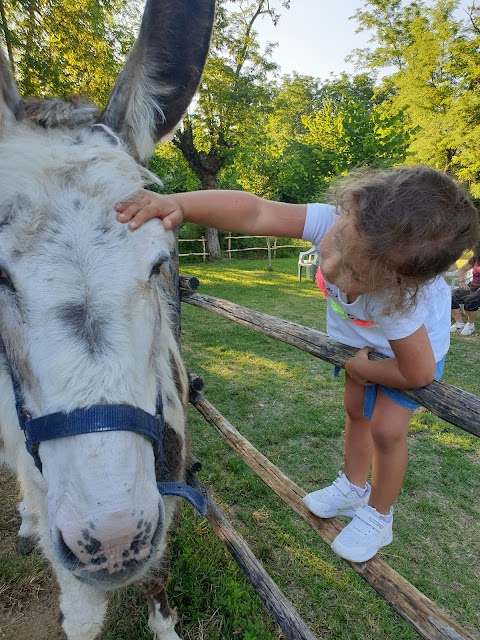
[[432, 306]]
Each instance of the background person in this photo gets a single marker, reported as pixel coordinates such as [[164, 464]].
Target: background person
[[468, 296]]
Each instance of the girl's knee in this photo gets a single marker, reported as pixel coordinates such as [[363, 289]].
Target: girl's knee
[[390, 423], [353, 409], [386, 438]]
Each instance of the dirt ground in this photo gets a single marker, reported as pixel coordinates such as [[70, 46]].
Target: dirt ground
[[28, 597]]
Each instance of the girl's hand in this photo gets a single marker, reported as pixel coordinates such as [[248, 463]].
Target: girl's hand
[[144, 205], [355, 366]]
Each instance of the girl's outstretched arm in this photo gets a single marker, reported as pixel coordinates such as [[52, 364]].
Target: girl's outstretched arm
[[236, 211]]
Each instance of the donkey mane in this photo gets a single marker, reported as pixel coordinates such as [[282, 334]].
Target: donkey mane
[[51, 112]]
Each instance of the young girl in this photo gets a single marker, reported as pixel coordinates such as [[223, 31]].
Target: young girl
[[382, 245]]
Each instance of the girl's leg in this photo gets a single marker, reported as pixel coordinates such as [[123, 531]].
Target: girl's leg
[[369, 530], [389, 429], [341, 498], [358, 437]]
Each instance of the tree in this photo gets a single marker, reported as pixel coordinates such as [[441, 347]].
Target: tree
[[354, 129], [436, 56], [232, 97], [276, 162], [60, 47]]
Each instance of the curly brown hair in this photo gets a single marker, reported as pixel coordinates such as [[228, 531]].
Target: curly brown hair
[[415, 221]]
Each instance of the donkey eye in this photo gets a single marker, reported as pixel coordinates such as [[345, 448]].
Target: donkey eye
[[5, 280], [156, 267]]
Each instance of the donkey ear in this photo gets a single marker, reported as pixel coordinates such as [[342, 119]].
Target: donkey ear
[[11, 106], [161, 73]]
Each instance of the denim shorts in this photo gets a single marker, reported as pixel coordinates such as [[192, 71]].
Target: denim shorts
[[395, 395]]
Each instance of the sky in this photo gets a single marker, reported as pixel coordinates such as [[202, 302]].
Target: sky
[[315, 36]]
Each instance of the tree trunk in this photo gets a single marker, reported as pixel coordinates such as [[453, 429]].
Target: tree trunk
[[449, 156], [211, 234], [206, 167], [213, 244]]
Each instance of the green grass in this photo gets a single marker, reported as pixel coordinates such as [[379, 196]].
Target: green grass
[[288, 406]]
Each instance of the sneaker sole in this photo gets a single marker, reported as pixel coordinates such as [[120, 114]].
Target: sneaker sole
[[315, 508], [349, 554]]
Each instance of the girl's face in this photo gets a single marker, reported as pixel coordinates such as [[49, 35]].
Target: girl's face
[[343, 261]]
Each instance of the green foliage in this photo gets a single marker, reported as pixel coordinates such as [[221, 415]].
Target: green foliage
[[170, 166], [352, 129], [287, 138], [314, 133], [436, 54], [61, 48]]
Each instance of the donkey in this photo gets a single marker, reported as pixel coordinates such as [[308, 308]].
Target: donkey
[[91, 377]]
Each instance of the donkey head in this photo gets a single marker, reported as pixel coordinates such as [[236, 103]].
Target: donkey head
[[84, 318]]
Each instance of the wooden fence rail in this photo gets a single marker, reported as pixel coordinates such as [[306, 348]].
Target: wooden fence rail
[[204, 253], [268, 245], [281, 609], [454, 405]]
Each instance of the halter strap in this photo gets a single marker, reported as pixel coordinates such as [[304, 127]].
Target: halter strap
[[98, 419]]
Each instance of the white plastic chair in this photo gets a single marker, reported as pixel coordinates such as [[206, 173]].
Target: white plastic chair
[[452, 278], [308, 260]]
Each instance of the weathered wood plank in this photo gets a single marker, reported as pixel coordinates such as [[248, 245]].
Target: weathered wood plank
[[425, 616], [458, 407], [281, 609]]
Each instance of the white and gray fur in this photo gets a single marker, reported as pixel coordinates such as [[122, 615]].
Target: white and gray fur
[[85, 318]]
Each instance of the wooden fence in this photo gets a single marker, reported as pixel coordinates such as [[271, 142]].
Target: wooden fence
[[271, 246], [202, 253], [449, 403]]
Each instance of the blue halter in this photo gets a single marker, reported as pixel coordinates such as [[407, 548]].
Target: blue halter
[[100, 418]]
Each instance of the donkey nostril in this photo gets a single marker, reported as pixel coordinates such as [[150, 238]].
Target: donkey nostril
[[64, 552], [108, 545], [118, 550]]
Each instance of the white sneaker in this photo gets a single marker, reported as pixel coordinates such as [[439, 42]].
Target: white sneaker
[[457, 327], [468, 329], [339, 499], [363, 536]]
